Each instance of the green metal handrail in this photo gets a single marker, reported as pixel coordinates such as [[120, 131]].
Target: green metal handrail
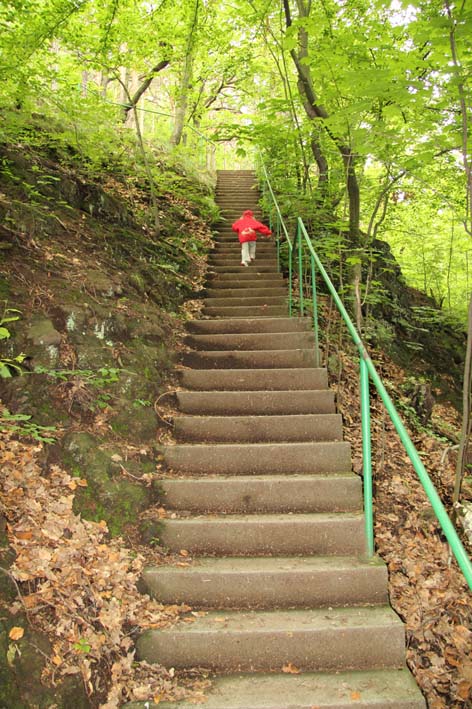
[[278, 225], [369, 373]]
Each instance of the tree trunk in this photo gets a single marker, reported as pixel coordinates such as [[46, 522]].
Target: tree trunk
[[133, 102], [464, 101], [466, 414], [182, 99], [316, 111], [323, 169]]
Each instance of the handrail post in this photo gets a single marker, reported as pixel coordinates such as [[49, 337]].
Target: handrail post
[[367, 455], [290, 279], [315, 312], [300, 270], [277, 241]]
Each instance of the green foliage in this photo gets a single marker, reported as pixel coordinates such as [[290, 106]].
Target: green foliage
[[82, 380], [98, 378], [22, 425], [381, 73], [9, 365]]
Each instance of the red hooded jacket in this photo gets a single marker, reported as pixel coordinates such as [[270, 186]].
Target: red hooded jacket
[[247, 227]]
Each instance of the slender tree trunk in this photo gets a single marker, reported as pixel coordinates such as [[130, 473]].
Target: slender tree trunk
[[449, 264], [316, 111], [182, 99], [147, 167], [466, 417], [467, 384], [323, 167], [84, 83], [140, 90]]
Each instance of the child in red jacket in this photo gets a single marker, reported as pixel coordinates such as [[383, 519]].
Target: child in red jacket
[[247, 228]]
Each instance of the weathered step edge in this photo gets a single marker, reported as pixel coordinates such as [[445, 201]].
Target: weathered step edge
[[277, 494], [375, 689], [301, 582], [327, 534], [234, 458], [255, 379], [322, 639]]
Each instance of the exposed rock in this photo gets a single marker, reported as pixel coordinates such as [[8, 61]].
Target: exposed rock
[[101, 283], [43, 332], [110, 494], [21, 665]]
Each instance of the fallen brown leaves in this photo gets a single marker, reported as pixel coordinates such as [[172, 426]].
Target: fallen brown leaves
[[79, 587], [426, 587]]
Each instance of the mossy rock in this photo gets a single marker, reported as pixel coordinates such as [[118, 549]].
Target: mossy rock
[[151, 530], [4, 287], [21, 665], [42, 332], [100, 282], [93, 351], [108, 495], [136, 423], [118, 502], [31, 395]]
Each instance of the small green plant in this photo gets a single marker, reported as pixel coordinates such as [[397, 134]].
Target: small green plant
[[97, 378], [9, 365], [82, 646], [84, 387], [21, 425], [141, 402]]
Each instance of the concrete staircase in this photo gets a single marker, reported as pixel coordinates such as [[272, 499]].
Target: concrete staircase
[[266, 503]]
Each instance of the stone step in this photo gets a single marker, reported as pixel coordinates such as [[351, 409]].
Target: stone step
[[215, 277], [245, 325], [240, 191], [251, 359], [234, 252], [259, 429], [249, 200], [228, 255], [251, 341], [276, 494], [239, 206], [247, 292], [230, 248], [214, 403], [260, 311], [261, 263], [226, 236], [320, 639], [245, 380], [228, 242], [259, 458], [374, 689], [328, 534], [243, 301], [246, 187], [254, 269], [264, 583], [259, 266], [231, 259], [231, 214], [235, 282]]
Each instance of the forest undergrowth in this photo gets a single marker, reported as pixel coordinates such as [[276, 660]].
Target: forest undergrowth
[[426, 587], [82, 261], [80, 587], [76, 583]]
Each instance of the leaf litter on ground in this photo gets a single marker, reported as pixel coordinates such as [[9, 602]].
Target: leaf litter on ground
[[426, 587], [80, 588]]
